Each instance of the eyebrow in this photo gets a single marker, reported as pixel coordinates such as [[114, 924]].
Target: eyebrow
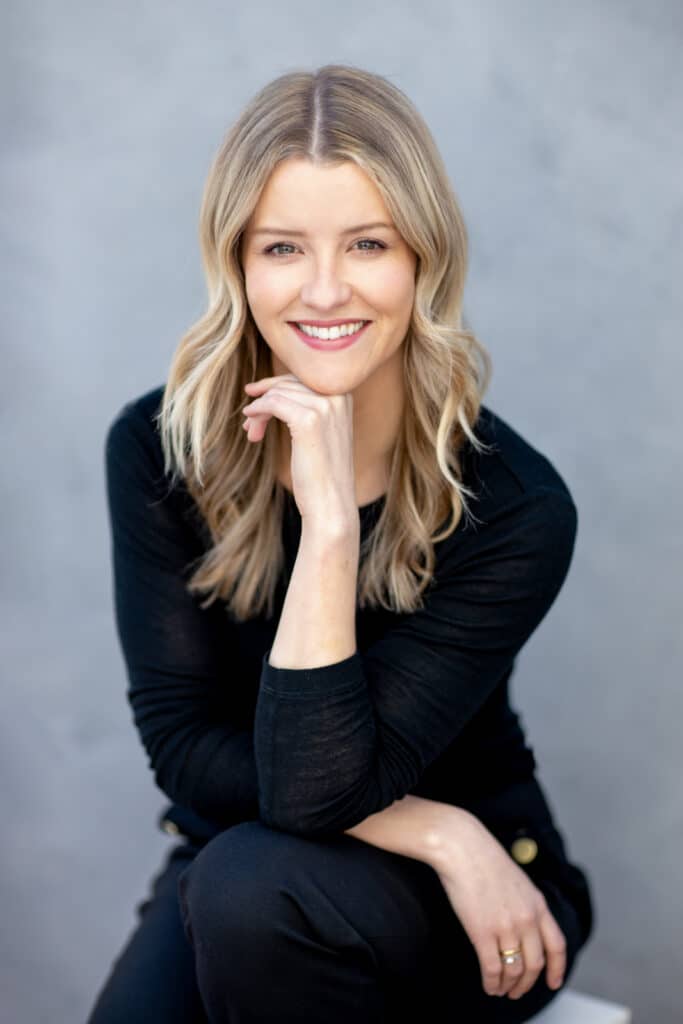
[[302, 234]]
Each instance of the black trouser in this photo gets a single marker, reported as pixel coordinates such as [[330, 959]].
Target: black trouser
[[259, 925]]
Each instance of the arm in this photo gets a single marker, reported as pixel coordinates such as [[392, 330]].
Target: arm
[[318, 619], [169, 643], [414, 827], [337, 742], [450, 840], [316, 627]]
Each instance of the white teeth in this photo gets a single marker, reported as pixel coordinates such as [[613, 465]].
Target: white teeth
[[330, 333]]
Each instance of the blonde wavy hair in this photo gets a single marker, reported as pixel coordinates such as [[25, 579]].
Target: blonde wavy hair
[[336, 113]]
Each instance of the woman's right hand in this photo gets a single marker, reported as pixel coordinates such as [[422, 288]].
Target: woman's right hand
[[499, 907]]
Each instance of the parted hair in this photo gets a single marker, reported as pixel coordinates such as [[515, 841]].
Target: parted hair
[[333, 114]]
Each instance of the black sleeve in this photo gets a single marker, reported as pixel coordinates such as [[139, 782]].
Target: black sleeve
[[169, 650], [339, 742]]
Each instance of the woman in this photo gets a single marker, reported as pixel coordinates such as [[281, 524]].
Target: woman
[[320, 612]]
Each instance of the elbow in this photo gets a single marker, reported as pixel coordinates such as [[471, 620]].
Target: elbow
[[167, 770], [300, 825], [292, 818], [166, 779], [322, 821], [293, 826]]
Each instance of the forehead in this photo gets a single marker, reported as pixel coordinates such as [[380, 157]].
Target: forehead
[[309, 196]]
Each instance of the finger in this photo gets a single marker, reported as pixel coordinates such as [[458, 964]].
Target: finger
[[290, 383], [293, 386], [534, 959], [282, 398], [296, 390], [555, 948], [510, 973], [489, 963], [255, 428], [257, 419], [284, 407], [256, 386]]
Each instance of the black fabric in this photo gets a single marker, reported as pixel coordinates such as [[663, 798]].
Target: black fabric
[[261, 925], [422, 706], [292, 930], [152, 979]]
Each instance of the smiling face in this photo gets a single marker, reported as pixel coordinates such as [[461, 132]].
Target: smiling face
[[320, 261]]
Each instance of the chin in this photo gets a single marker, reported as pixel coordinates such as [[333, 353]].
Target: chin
[[332, 383]]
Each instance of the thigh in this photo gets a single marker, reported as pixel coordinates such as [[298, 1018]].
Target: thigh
[[153, 977], [365, 905], [427, 962], [304, 917]]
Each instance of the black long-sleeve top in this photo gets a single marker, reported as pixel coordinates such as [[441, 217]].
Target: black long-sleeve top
[[422, 706]]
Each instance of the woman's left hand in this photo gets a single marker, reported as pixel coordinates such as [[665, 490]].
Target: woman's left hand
[[499, 907], [321, 431]]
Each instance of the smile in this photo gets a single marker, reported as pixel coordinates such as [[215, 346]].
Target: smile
[[319, 337]]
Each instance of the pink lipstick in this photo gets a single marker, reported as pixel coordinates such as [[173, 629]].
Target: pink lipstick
[[329, 345]]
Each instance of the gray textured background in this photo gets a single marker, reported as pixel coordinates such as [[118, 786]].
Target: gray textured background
[[560, 126]]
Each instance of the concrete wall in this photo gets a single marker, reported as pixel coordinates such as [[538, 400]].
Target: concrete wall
[[560, 125]]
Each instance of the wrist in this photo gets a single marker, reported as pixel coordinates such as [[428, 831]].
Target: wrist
[[448, 837], [332, 534], [416, 827]]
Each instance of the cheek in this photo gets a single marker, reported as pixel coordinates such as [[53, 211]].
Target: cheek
[[265, 290], [393, 288]]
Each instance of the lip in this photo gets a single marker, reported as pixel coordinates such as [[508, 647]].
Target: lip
[[329, 323], [329, 346]]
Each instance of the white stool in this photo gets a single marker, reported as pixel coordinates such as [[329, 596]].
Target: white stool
[[576, 1008]]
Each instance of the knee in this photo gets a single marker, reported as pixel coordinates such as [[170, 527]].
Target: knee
[[232, 887]]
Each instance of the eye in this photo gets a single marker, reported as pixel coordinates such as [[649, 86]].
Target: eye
[[278, 245], [289, 245], [372, 241]]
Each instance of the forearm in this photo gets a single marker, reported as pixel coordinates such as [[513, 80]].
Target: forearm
[[317, 625], [414, 827]]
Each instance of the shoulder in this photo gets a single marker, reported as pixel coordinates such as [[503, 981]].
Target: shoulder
[[513, 477], [132, 433], [513, 466], [157, 531], [137, 412], [135, 464], [520, 496]]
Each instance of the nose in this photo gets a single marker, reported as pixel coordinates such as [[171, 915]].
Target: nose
[[325, 289]]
